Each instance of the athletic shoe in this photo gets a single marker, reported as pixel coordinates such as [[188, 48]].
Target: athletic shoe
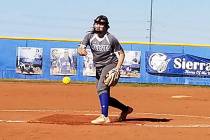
[[124, 113], [101, 120]]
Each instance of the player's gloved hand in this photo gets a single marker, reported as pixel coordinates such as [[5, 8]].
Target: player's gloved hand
[[116, 69], [112, 77], [81, 50]]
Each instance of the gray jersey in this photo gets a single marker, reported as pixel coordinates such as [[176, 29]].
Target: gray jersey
[[102, 48]]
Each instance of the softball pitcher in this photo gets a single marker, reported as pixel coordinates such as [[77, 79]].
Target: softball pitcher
[[104, 47]]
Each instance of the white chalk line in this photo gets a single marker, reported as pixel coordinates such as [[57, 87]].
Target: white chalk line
[[180, 96], [97, 112], [86, 112], [13, 121], [149, 113], [174, 115], [141, 125], [31, 110], [175, 126]]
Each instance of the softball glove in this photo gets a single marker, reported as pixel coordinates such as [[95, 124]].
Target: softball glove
[[112, 77]]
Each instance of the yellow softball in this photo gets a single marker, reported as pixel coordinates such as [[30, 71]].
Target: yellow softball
[[66, 80]]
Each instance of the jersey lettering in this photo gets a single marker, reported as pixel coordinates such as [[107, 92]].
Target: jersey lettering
[[101, 48]]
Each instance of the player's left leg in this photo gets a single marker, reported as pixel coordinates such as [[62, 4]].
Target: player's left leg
[[103, 90], [104, 103], [103, 94]]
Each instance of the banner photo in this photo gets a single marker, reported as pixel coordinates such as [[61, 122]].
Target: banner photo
[[130, 67], [177, 64], [29, 60], [63, 61], [88, 65], [131, 64]]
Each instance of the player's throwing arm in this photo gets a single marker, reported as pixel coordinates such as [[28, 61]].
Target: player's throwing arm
[[81, 50]]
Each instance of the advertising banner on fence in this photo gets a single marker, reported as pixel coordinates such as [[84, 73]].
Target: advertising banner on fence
[[131, 64], [29, 60], [177, 64], [63, 61], [130, 67], [88, 65]]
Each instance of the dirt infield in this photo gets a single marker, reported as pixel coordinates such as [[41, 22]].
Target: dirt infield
[[53, 111]]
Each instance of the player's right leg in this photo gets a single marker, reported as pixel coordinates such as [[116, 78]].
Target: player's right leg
[[124, 113], [125, 109]]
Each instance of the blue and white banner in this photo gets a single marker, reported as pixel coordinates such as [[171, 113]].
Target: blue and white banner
[[130, 66], [29, 60], [63, 61], [177, 64]]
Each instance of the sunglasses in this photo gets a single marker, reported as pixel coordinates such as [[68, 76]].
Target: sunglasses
[[99, 22]]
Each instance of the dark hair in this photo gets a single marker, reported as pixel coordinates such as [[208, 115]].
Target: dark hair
[[102, 19]]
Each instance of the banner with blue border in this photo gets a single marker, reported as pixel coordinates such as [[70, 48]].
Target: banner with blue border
[[177, 64]]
